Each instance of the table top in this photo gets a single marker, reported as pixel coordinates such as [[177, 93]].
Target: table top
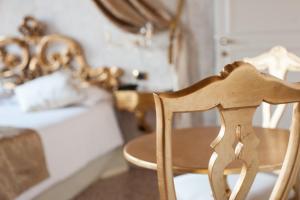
[[191, 150], [132, 100]]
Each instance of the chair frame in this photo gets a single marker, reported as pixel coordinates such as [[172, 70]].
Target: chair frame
[[237, 93], [278, 61]]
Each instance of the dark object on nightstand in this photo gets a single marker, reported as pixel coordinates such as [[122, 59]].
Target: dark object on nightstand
[[128, 87]]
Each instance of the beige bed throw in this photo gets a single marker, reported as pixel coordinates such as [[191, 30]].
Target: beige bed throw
[[22, 161]]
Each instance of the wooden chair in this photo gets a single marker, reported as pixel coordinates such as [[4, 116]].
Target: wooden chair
[[278, 62], [236, 93]]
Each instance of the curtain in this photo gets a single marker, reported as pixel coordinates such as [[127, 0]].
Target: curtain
[[132, 15]]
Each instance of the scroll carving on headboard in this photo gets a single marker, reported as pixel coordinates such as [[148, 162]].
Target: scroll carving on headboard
[[36, 54]]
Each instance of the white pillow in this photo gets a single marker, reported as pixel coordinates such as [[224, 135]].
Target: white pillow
[[94, 95], [52, 91]]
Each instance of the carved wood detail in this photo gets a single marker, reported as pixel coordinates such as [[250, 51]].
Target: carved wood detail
[[37, 59], [238, 131]]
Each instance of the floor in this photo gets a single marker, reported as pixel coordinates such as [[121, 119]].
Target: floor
[[136, 184]]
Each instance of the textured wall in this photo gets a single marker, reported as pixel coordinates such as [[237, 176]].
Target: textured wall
[[82, 20]]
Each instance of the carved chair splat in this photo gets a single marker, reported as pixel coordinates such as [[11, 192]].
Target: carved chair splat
[[237, 93]]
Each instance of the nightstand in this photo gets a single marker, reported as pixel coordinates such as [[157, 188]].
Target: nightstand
[[136, 102]]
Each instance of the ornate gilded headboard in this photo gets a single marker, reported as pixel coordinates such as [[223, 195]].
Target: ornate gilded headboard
[[36, 54]]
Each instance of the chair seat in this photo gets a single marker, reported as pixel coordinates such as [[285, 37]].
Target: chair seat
[[197, 187]]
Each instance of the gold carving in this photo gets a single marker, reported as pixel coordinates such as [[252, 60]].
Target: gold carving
[[239, 130], [37, 56]]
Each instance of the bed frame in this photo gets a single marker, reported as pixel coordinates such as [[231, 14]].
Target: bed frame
[[37, 56], [35, 59]]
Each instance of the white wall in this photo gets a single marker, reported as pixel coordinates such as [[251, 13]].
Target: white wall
[[82, 20]]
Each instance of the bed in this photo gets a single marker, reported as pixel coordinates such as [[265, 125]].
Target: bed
[[81, 144]]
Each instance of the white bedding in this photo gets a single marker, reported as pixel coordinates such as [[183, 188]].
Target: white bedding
[[72, 137]]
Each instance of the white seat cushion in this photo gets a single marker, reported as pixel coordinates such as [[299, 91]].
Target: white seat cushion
[[197, 187]]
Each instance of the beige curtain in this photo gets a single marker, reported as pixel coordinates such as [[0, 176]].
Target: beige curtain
[[132, 15]]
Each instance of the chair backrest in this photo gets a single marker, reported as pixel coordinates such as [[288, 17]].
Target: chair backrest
[[278, 61], [236, 93]]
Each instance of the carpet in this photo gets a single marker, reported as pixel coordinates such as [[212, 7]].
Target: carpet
[[136, 184]]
